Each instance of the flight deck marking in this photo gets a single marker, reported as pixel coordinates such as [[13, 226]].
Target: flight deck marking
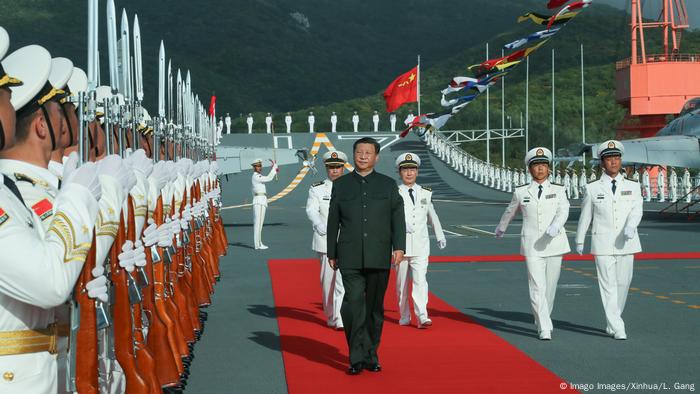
[[321, 139], [645, 292]]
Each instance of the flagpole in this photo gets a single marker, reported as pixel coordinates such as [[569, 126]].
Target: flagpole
[[527, 104], [503, 118], [418, 88], [583, 107], [488, 126], [553, 107]]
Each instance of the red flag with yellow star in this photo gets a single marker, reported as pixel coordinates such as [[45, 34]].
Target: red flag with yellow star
[[402, 90]]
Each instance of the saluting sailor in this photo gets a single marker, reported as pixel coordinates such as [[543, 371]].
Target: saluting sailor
[[419, 212], [317, 211], [614, 204], [543, 241], [260, 199]]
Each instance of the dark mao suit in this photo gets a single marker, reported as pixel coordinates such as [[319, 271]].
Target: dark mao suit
[[365, 224]]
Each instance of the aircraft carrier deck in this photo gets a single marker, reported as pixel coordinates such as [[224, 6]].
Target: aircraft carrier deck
[[243, 349]]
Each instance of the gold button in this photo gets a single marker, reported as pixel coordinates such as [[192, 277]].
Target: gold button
[[8, 376]]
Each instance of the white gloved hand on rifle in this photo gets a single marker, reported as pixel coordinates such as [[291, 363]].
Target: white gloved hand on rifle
[[97, 287], [139, 254], [85, 176], [126, 257]]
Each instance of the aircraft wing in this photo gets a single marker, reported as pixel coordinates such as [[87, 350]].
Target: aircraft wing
[[676, 151]]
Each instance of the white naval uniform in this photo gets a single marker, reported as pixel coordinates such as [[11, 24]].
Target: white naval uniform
[[542, 253], [392, 121], [260, 203], [334, 123], [331, 281], [355, 122], [268, 124], [673, 186], [661, 184], [614, 254], [418, 216], [29, 292], [646, 183], [288, 122], [687, 186], [228, 125], [375, 122], [312, 120], [249, 121]]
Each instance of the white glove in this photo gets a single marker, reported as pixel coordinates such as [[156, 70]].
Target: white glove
[[552, 231], [579, 248], [86, 176], [126, 257], [70, 163], [159, 175], [184, 167], [175, 224], [139, 254], [630, 232], [150, 234], [164, 234], [141, 163], [320, 229], [409, 228], [97, 288], [114, 166], [442, 243], [499, 233]]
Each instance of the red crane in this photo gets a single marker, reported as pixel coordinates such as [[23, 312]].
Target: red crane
[[653, 86]]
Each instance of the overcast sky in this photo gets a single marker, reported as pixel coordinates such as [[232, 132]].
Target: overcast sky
[[653, 7]]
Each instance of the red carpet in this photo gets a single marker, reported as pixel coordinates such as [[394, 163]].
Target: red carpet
[[503, 258], [455, 355]]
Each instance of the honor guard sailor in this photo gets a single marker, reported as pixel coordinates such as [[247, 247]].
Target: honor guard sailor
[[545, 209], [418, 212], [51, 260], [614, 204], [260, 199], [317, 211]]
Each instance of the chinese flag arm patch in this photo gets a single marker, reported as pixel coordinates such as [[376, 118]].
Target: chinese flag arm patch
[[4, 217], [43, 209]]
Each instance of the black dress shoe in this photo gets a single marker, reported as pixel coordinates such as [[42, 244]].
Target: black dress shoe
[[373, 367], [355, 369]]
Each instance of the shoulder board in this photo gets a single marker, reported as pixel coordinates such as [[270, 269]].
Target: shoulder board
[[522, 186], [632, 180], [317, 184], [430, 189], [557, 184], [24, 178]]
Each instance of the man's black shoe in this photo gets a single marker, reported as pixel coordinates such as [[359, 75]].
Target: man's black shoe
[[373, 367], [355, 369]]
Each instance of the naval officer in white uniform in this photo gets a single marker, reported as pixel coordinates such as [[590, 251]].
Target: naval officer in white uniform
[[317, 211], [614, 204], [543, 241], [260, 199], [419, 212]]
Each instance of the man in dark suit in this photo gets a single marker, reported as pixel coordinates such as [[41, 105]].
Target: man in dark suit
[[366, 233]]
